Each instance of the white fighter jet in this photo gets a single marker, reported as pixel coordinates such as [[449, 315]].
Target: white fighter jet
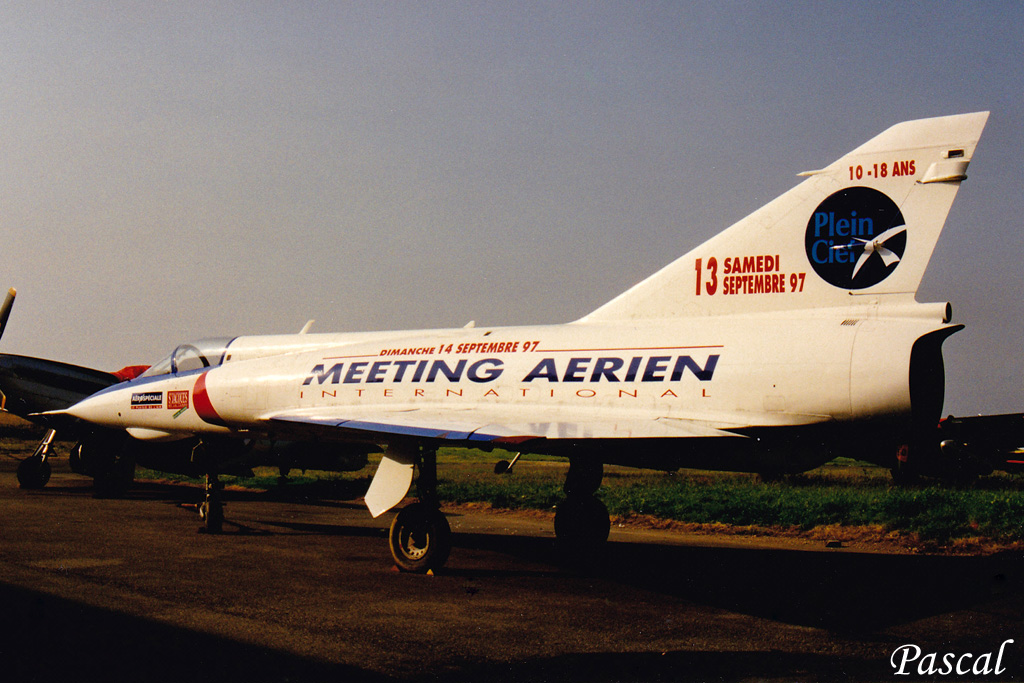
[[790, 338]]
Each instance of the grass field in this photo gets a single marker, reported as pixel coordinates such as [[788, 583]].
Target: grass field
[[843, 494], [842, 499]]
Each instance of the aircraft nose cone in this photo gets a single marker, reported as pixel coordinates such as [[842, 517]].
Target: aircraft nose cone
[[103, 409]]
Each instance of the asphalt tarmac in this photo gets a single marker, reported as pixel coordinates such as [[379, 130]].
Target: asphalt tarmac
[[299, 590]]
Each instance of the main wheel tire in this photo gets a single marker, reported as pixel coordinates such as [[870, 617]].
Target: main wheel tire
[[420, 538], [76, 461], [33, 473], [581, 527]]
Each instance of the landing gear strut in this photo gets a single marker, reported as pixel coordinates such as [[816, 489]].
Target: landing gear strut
[[420, 538], [211, 510], [34, 471], [903, 472], [581, 520]]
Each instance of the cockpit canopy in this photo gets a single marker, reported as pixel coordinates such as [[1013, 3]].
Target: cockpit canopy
[[205, 353]]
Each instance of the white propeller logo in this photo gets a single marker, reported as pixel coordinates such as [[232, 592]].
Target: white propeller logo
[[874, 246]]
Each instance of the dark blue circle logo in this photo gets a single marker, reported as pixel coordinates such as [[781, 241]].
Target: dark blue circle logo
[[855, 238]]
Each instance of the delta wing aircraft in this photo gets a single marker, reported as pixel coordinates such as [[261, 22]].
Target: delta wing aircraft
[[32, 387], [790, 338]]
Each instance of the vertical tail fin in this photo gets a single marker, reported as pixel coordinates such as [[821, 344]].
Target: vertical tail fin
[[859, 230]]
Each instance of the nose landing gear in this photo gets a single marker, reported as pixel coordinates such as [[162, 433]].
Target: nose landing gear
[[34, 471]]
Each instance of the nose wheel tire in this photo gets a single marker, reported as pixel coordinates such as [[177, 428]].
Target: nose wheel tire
[[33, 473], [420, 538]]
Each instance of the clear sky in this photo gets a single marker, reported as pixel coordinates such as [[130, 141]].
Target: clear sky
[[171, 171]]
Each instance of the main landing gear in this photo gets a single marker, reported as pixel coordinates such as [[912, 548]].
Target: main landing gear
[[34, 471], [581, 520], [420, 538]]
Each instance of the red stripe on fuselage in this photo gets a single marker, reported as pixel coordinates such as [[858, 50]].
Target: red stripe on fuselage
[[201, 402]]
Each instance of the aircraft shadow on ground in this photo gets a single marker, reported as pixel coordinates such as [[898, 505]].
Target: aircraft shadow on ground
[[844, 592], [336, 495], [839, 591], [331, 493]]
